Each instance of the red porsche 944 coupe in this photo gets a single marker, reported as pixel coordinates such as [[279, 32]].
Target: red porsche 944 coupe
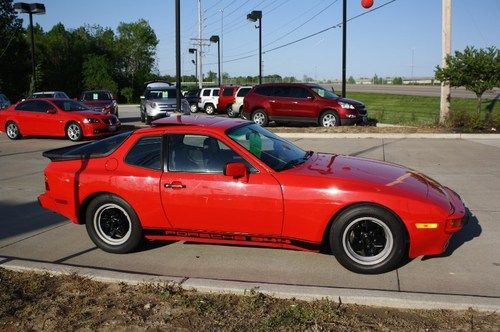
[[220, 180], [56, 117]]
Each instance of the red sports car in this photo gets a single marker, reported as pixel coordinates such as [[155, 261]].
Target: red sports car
[[56, 117], [221, 180]]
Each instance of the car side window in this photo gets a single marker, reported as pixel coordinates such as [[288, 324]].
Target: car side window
[[282, 91], [200, 154], [216, 93], [243, 92], [146, 152], [298, 92], [264, 90], [228, 92], [206, 93], [30, 106]]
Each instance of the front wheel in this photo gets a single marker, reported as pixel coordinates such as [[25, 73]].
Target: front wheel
[[113, 225], [260, 117], [12, 131], [368, 239], [329, 119], [74, 131]]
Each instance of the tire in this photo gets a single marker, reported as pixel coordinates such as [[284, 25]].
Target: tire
[[193, 108], [113, 225], [143, 118], [148, 119], [329, 119], [260, 117], [12, 130], [74, 132], [230, 112], [368, 239], [210, 109]]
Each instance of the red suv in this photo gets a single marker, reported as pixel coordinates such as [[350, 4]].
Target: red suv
[[226, 98], [296, 102]]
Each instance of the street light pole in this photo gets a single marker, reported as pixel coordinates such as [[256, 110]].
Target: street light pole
[[344, 38], [30, 9], [256, 15], [216, 39], [178, 53]]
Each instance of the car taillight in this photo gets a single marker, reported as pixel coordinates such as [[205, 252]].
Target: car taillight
[[453, 225], [47, 188]]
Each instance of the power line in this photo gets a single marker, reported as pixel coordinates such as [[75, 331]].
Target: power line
[[338, 25]]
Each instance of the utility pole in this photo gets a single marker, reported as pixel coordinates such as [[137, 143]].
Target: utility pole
[[200, 46], [344, 43], [221, 56], [178, 54], [446, 49]]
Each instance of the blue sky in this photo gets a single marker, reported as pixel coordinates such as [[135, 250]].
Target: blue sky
[[381, 42]]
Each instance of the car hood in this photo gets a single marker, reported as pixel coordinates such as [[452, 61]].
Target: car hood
[[91, 113], [353, 102], [369, 172], [97, 103]]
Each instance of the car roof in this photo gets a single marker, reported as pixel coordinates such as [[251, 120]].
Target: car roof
[[212, 122], [43, 92]]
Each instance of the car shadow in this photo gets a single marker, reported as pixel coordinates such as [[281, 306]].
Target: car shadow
[[469, 232], [130, 119], [18, 219], [147, 245]]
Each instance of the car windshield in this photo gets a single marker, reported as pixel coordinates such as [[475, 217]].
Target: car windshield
[[161, 94], [325, 93], [274, 151], [70, 105], [96, 95]]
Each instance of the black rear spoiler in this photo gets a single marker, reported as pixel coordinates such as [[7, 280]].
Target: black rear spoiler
[[61, 153]]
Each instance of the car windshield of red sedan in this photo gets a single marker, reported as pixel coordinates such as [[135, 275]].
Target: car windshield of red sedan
[[322, 92], [268, 147], [70, 105]]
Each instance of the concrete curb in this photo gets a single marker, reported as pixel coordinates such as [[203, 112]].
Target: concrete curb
[[380, 298], [388, 135]]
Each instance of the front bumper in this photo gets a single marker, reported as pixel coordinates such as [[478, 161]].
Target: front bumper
[[100, 129]]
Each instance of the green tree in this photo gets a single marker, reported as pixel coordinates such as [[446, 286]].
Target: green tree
[[478, 70], [136, 45], [397, 81], [97, 74], [351, 80], [15, 56], [128, 93]]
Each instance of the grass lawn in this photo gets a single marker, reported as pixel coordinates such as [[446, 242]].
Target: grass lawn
[[404, 109]]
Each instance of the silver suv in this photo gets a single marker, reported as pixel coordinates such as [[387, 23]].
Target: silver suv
[[209, 98], [4, 102], [159, 100]]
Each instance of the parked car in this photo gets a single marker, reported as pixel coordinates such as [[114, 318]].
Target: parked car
[[100, 100], [49, 94], [297, 102], [193, 98], [227, 181], [236, 108], [160, 98], [4, 102], [209, 98], [226, 98], [56, 117]]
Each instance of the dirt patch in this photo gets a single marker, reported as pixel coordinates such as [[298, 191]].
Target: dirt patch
[[30, 301]]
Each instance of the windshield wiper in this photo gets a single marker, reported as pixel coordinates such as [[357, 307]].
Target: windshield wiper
[[292, 163], [308, 154]]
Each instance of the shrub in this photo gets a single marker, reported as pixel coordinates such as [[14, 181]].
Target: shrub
[[464, 121]]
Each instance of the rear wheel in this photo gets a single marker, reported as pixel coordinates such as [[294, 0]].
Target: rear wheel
[[113, 225], [12, 130], [329, 119], [368, 239], [74, 131], [230, 112], [210, 109], [193, 108], [260, 117]]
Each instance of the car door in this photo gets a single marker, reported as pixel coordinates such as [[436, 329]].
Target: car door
[[302, 103], [197, 196], [280, 103], [26, 117], [49, 124]]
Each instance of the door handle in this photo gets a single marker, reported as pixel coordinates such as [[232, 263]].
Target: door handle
[[174, 185]]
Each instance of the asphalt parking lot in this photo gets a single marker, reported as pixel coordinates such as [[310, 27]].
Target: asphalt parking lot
[[471, 265]]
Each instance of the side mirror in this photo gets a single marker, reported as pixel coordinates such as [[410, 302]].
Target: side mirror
[[236, 170], [51, 111], [142, 97]]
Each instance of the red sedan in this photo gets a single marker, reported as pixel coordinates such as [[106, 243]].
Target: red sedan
[[219, 180], [56, 117]]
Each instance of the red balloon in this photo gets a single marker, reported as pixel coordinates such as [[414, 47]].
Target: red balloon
[[366, 3]]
